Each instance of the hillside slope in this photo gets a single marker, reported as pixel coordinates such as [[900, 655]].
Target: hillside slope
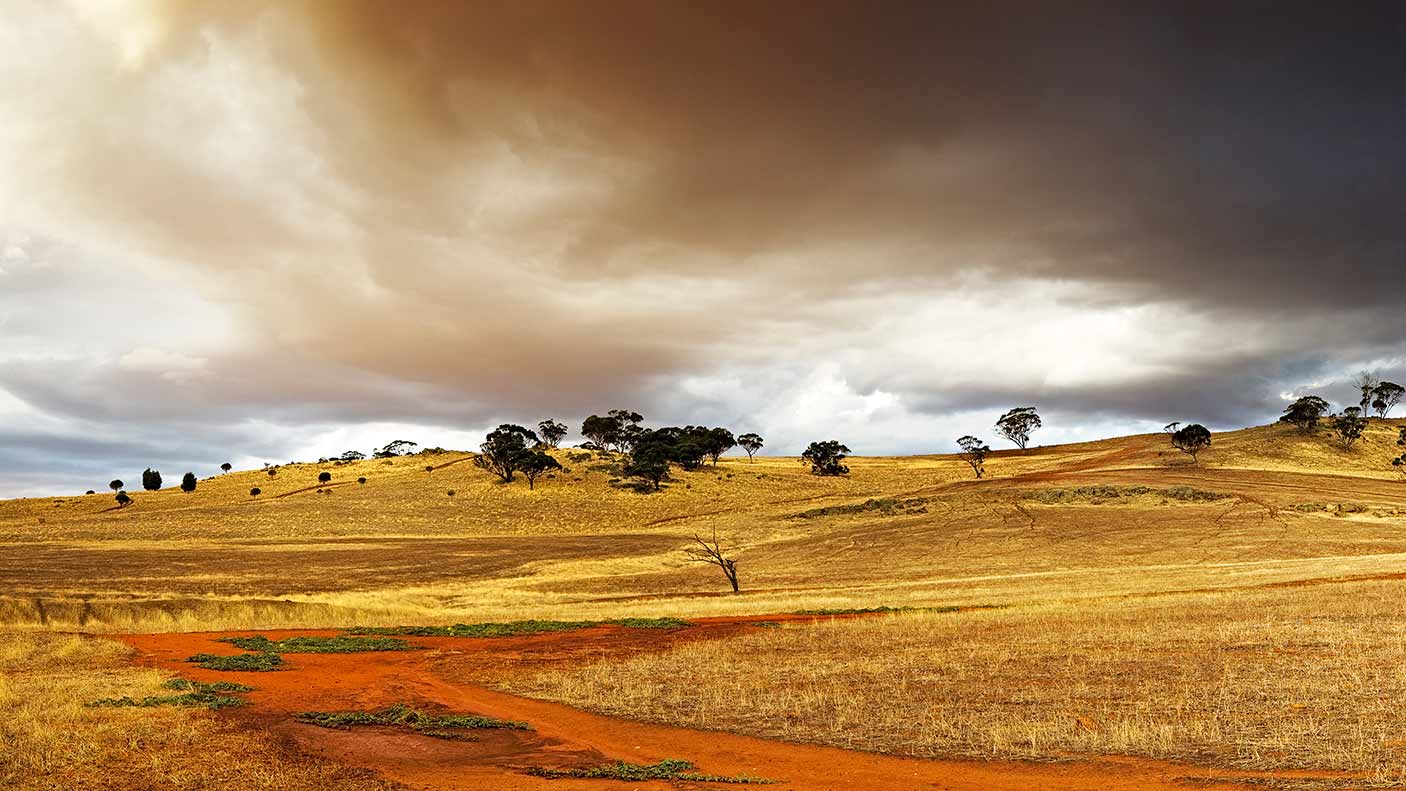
[[1265, 506]]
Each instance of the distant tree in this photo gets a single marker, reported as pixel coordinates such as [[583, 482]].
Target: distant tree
[[1305, 413], [450, 493], [826, 458], [401, 447], [552, 432], [1192, 440], [502, 450], [324, 477], [255, 492], [361, 481], [429, 468], [628, 429], [352, 455], [115, 485], [123, 500], [1366, 382], [717, 442], [650, 457], [226, 467], [273, 471], [1348, 427], [1017, 424], [1171, 428], [1400, 461], [1386, 396], [750, 443], [188, 483], [974, 453], [90, 491], [533, 463], [688, 446], [712, 552], [151, 480]]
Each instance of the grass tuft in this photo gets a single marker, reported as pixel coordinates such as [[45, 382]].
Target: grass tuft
[[254, 663], [667, 769], [439, 726], [303, 644]]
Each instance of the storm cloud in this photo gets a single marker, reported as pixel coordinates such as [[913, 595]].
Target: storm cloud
[[275, 226]]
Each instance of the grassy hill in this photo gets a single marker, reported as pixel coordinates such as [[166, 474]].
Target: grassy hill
[[1130, 515]]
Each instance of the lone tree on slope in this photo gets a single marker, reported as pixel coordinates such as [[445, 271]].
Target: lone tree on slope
[[324, 477], [750, 443], [115, 484], [123, 500], [1017, 424], [1400, 461], [151, 479], [718, 441], [255, 492], [1348, 427], [226, 467], [1305, 413], [532, 463], [1192, 439], [712, 552], [974, 453], [1386, 396], [502, 450], [188, 482], [826, 458], [552, 432]]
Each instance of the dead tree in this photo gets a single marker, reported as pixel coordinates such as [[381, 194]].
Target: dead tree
[[712, 553]]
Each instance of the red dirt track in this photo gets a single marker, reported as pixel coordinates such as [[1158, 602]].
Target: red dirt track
[[446, 676]]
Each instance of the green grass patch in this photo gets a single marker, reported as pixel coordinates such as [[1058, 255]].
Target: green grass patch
[[883, 505], [667, 769], [516, 628], [400, 715], [253, 663], [319, 645], [194, 694]]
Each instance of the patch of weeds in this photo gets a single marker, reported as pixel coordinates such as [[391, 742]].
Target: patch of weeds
[[254, 663], [1099, 494], [667, 769], [400, 715], [880, 610], [303, 644], [884, 505], [516, 628], [195, 694]]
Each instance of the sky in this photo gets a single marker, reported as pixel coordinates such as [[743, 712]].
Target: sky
[[256, 231]]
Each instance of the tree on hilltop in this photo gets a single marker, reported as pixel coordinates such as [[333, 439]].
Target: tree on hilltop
[[151, 479], [974, 453], [226, 467], [401, 447], [717, 442], [115, 484], [552, 432], [1017, 424], [1305, 413], [502, 450], [1191, 440], [1366, 382], [1385, 396], [750, 443], [188, 482]]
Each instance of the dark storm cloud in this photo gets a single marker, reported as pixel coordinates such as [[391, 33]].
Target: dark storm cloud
[[452, 212]]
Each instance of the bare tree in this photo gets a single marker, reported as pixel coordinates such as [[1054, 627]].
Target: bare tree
[[1366, 381], [712, 553]]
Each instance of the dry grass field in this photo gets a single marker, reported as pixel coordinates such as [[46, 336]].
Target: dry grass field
[[1243, 612]]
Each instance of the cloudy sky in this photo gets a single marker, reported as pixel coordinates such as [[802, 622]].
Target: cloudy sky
[[254, 231]]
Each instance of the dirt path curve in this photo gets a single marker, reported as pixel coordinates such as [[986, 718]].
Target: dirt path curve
[[449, 674]]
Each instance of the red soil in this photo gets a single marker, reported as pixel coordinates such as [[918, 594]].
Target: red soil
[[443, 677]]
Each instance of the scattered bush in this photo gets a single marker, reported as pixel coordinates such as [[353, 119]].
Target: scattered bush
[[255, 492], [123, 500], [1305, 413], [188, 482], [324, 477], [251, 663], [439, 726], [667, 769], [361, 481], [304, 644], [1348, 427]]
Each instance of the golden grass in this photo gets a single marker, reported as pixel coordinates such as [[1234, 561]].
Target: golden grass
[[52, 742], [1295, 678]]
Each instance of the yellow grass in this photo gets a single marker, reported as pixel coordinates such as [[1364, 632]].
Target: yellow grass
[[52, 742], [1295, 678]]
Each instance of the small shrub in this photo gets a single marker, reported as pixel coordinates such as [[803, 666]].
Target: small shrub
[[361, 481], [450, 492], [252, 663], [255, 492], [439, 726], [303, 644], [667, 769], [324, 477]]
